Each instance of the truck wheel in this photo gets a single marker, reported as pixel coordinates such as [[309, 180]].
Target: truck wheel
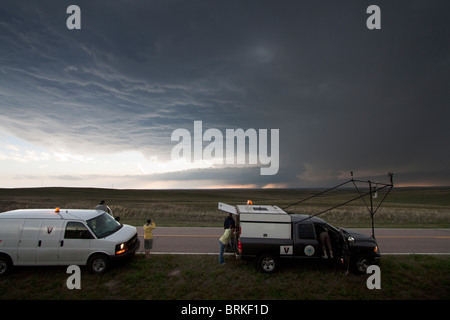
[[5, 265], [267, 263], [98, 263], [360, 264]]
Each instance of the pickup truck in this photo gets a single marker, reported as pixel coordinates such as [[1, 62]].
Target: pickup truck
[[269, 234]]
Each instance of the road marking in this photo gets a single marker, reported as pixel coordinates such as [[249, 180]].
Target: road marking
[[229, 254], [408, 237], [414, 253], [218, 235], [187, 253], [184, 235], [187, 235]]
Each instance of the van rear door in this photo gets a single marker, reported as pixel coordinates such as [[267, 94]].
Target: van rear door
[[49, 242], [26, 254], [9, 236]]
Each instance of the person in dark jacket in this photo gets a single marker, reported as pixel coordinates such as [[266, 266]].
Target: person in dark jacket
[[229, 221], [102, 206]]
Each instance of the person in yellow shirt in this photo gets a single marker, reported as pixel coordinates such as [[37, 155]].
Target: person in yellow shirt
[[224, 240], [148, 237]]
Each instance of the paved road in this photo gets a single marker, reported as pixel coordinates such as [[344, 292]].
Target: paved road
[[205, 240]]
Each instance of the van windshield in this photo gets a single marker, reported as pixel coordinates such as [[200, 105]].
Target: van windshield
[[103, 225]]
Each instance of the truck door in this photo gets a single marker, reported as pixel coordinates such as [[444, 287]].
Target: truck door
[[75, 244], [305, 244], [49, 242]]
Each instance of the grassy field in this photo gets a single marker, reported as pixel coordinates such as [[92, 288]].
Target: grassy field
[[168, 277], [404, 207]]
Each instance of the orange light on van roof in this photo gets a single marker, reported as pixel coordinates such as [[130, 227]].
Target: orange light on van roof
[[57, 210]]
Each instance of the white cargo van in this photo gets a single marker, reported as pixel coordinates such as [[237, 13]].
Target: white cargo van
[[63, 237]]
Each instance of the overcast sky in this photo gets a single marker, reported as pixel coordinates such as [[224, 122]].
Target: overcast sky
[[97, 106]]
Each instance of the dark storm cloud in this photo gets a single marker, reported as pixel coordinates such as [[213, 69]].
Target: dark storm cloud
[[221, 177], [344, 97]]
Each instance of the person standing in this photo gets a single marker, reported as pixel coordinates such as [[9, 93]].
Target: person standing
[[148, 237], [223, 241], [229, 221], [102, 206], [325, 243]]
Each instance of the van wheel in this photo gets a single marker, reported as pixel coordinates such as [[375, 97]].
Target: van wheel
[[267, 263], [5, 265], [98, 263]]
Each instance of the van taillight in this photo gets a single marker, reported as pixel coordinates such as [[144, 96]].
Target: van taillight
[[240, 247]]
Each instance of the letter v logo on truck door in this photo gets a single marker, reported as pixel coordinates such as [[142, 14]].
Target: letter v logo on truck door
[[286, 250]]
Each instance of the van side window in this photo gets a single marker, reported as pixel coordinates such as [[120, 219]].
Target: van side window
[[77, 230], [305, 231]]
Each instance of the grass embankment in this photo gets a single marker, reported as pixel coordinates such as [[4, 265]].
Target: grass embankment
[[404, 207], [168, 277]]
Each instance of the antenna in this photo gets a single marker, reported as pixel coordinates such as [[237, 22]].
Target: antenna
[[361, 195]]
